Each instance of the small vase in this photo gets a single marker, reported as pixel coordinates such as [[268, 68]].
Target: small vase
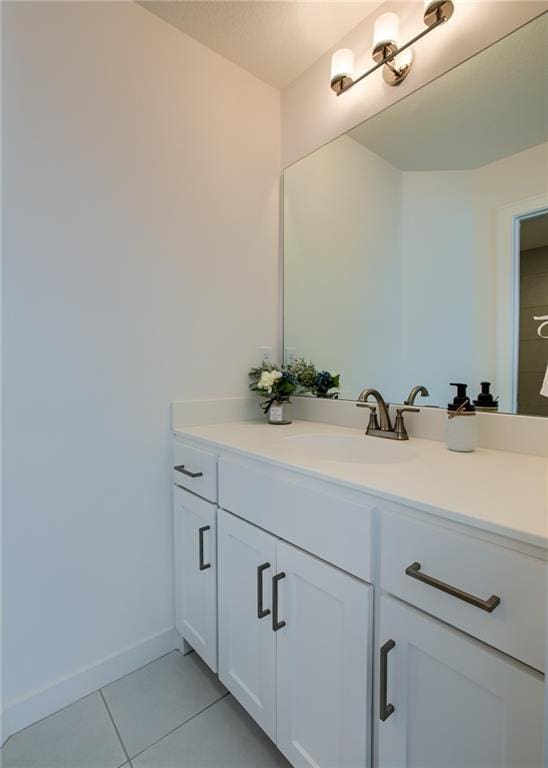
[[276, 414]]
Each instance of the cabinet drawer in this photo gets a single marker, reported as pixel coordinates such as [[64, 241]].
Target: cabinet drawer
[[331, 523], [440, 571], [195, 470]]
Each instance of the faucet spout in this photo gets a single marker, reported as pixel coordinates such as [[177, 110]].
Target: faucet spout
[[385, 425], [412, 396]]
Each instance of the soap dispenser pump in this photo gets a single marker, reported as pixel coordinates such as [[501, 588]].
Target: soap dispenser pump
[[485, 401], [461, 429]]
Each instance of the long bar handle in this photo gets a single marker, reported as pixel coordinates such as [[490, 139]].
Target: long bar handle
[[201, 531], [489, 605], [261, 612], [276, 623], [385, 708], [187, 472]]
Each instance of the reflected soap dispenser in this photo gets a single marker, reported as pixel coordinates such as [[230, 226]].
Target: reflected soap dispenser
[[485, 401], [461, 430]]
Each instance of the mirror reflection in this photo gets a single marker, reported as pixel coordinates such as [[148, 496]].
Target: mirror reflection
[[416, 245]]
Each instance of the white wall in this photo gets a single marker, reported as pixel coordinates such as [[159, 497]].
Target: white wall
[[449, 249], [140, 191], [342, 215], [311, 113]]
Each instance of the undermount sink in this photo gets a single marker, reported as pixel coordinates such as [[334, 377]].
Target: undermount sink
[[350, 449]]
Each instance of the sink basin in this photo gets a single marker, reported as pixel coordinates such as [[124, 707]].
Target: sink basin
[[350, 449]]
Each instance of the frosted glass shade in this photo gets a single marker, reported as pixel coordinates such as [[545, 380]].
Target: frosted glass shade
[[342, 64], [386, 30]]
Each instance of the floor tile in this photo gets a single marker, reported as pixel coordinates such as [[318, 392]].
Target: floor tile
[[222, 736], [155, 699], [79, 736]]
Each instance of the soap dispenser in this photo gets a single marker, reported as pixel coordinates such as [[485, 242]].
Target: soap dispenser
[[485, 401], [461, 429]]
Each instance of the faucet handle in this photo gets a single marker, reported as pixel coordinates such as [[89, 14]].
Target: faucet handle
[[399, 426], [406, 409], [373, 423], [372, 406]]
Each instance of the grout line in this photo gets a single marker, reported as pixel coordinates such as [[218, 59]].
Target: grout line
[[173, 650], [85, 696], [115, 726], [185, 722]]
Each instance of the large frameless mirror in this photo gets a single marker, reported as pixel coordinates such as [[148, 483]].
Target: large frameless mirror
[[416, 245]]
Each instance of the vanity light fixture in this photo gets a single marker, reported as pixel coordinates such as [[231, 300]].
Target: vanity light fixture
[[396, 60]]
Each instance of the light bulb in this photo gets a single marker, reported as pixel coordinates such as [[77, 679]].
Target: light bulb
[[386, 30], [342, 65]]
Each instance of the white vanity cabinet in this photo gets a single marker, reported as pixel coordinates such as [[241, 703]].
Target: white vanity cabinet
[[453, 678], [247, 644], [294, 646], [195, 534], [323, 658], [449, 701]]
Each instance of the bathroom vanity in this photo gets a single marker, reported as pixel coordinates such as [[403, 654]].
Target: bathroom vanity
[[367, 602], [375, 602]]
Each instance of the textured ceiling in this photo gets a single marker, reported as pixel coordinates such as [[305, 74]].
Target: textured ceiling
[[490, 107], [276, 41]]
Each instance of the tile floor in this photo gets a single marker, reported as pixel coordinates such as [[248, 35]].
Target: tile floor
[[171, 713]]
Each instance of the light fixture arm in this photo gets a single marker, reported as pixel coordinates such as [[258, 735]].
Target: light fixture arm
[[386, 50], [391, 56]]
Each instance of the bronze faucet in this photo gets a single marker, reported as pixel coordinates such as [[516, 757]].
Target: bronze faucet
[[382, 427]]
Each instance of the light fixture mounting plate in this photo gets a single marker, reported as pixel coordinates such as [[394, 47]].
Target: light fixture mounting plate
[[338, 84], [395, 76], [438, 10], [382, 50]]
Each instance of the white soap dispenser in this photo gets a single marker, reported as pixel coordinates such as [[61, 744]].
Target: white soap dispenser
[[461, 430]]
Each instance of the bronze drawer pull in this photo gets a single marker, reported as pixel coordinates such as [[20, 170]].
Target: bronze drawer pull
[[203, 566], [276, 623], [261, 612], [385, 708], [187, 472], [489, 605]]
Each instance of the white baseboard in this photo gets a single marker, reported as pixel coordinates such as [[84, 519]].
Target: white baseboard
[[45, 701]]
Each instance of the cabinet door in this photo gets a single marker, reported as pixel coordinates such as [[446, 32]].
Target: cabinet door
[[323, 703], [196, 573], [456, 703], [247, 644]]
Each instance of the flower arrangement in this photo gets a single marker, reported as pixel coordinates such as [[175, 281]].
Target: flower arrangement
[[275, 383], [319, 383], [325, 382]]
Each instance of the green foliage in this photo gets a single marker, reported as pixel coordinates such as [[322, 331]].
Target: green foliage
[[305, 373], [299, 377]]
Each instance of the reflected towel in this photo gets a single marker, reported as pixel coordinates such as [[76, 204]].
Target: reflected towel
[[544, 388]]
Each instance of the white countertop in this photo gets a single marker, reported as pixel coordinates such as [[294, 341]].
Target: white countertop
[[497, 491]]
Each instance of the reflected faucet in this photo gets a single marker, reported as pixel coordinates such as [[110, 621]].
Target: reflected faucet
[[382, 427], [418, 390]]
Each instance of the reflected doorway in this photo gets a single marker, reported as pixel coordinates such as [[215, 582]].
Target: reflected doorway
[[532, 362]]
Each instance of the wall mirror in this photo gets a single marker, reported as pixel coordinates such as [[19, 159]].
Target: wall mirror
[[416, 245]]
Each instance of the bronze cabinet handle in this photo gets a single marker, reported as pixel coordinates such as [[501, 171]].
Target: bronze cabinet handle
[[203, 566], [385, 708], [261, 612], [276, 624], [489, 605], [188, 473]]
